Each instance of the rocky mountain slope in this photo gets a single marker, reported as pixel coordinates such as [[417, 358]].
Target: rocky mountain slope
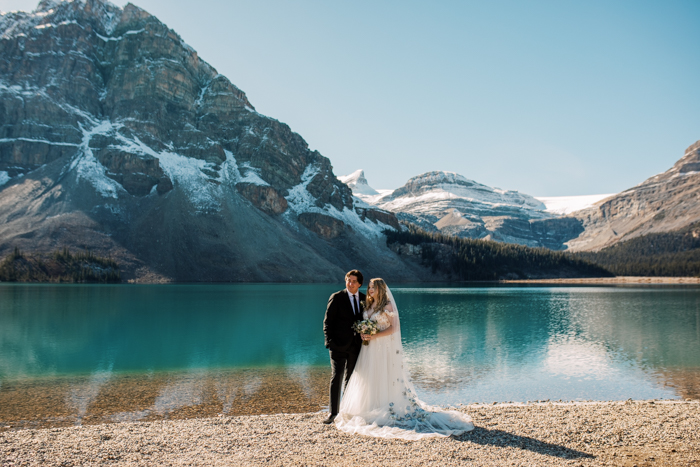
[[454, 205], [116, 137], [666, 202]]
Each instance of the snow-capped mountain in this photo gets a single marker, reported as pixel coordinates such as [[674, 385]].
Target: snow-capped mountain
[[433, 192], [358, 183], [115, 136], [450, 203]]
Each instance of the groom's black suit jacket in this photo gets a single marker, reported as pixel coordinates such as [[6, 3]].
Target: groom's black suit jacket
[[337, 325]]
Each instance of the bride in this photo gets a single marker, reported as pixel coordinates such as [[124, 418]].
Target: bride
[[379, 399]]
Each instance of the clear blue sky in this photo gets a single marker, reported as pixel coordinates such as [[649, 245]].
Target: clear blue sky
[[546, 97]]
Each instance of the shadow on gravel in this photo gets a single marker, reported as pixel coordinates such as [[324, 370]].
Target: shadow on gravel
[[504, 439]]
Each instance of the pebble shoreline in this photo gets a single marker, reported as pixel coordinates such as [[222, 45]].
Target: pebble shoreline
[[641, 433]]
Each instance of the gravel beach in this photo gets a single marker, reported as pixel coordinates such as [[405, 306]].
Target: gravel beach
[[641, 433]]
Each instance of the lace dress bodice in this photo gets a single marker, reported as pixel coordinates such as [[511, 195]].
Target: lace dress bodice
[[383, 318]]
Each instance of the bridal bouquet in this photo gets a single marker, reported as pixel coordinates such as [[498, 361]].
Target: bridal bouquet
[[365, 327]]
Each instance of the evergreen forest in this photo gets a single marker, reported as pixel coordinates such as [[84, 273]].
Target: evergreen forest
[[657, 254], [464, 259], [61, 266]]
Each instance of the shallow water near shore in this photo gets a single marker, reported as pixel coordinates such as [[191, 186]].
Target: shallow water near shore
[[82, 354]]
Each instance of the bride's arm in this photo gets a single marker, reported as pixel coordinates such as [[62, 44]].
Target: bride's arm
[[388, 331]]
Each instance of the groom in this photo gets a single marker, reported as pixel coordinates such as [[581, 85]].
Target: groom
[[344, 308]]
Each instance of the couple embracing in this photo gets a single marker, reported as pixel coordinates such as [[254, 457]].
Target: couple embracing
[[379, 398]]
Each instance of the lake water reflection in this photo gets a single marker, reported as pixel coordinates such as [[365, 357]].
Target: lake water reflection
[[77, 354]]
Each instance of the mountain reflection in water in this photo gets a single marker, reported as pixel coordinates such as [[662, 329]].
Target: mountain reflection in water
[[573, 343]]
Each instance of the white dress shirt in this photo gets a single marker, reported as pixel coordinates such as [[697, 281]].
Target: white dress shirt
[[357, 297]]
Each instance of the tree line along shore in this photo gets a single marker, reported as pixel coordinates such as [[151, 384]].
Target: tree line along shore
[[60, 266], [449, 258], [668, 254]]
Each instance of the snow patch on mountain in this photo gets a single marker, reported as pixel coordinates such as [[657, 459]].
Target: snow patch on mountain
[[366, 227], [107, 39], [34, 140], [364, 195], [185, 172], [110, 19], [358, 183], [231, 172], [252, 175], [89, 168], [564, 205], [299, 200]]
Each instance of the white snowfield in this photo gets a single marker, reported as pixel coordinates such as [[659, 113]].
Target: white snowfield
[[564, 205], [457, 187], [478, 196]]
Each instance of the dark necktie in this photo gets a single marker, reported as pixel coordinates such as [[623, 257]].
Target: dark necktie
[[354, 305]]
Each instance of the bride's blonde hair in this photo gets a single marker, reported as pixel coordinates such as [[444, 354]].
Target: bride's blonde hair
[[382, 299]]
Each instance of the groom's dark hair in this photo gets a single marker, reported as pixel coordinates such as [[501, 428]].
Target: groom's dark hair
[[357, 274]]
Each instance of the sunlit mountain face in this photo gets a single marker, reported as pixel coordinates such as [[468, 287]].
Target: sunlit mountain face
[[116, 137], [452, 204]]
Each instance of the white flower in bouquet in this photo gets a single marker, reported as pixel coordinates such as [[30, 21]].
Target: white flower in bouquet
[[365, 327]]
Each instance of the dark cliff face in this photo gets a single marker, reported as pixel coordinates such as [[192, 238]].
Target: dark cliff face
[[115, 135], [665, 202]]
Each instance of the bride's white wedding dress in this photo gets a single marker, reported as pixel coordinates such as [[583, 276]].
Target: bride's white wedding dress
[[380, 399]]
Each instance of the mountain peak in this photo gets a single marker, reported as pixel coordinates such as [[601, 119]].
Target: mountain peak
[[690, 162], [46, 5], [439, 176], [457, 184], [101, 16], [353, 177], [358, 183], [136, 148]]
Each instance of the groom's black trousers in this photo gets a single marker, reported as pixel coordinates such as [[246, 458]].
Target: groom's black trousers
[[341, 363]]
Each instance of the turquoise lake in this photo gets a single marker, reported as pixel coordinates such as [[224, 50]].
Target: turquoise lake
[[66, 350]]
